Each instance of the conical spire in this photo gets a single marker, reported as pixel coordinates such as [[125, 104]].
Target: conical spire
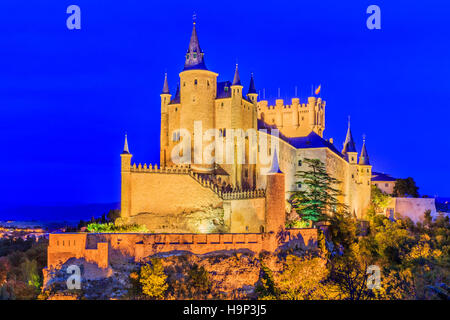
[[125, 147], [275, 167], [176, 99], [349, 144], [251, 87], [237, 79], [165, 89], [364, 157], [194, 55]]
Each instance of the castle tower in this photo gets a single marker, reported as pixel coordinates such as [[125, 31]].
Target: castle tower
[[236, 123], [252, 94], [275, 198], [364, 157], [349, 149], [125, 198], [198, 87], [365, 177], [165, 100]]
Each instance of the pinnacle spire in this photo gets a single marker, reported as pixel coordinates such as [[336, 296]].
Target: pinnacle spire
[[237, 79], [275, 167], [176, 99], [364, 157], [251, 87], [165, 89], [125, 146], [349, 144], [194, 56]]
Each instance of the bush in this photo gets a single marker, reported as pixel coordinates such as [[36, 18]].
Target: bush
[[198, 280], [112, 228], [153, 279]]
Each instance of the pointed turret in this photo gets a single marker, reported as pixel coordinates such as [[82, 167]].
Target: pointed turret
[[176, 99], [364, 157], [165, 89], [194, 56], [349, 149], [275, 167], [251, 87], [236, 79], [251, 94], [349, 144], [125, 146]]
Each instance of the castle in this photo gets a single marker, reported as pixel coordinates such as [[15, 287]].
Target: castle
[[222, 151], [227, 165]]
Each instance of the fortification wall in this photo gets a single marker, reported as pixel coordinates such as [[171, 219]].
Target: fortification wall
[[413, 208], [104, 248], [296, 119], [155, 192]]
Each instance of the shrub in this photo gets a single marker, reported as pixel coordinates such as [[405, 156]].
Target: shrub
[[153, 279], [112, 228], [198, 280]]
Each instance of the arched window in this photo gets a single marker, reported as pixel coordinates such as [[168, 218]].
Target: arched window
[[195, 82]]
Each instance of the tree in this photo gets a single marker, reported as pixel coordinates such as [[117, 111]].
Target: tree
[[153, 279], [198, 281], [320, 195], [378, 199], [406, 187]]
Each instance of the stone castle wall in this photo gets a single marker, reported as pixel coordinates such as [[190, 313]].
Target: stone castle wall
[[105, 248], [296, 119]]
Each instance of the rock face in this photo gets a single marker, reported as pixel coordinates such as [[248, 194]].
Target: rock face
[[207, 219], [230, 275]]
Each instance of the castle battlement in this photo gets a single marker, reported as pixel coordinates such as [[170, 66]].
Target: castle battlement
[[294, 120], [263, 105], [178, 169], [234, 194]]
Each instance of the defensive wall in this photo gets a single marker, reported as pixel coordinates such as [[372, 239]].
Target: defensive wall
[[104, 248]]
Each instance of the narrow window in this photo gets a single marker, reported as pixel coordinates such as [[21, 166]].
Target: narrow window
[[299, 185], [195, 81], [299, 163]]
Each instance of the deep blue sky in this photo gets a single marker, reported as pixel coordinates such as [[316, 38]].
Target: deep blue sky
[[67, 97]]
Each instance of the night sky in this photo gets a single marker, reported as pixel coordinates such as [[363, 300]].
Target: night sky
[[68, 96]]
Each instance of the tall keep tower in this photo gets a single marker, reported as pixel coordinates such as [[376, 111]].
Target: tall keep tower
[[198, 88]]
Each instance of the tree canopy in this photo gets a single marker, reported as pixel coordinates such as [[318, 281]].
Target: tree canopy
[[319, 194]]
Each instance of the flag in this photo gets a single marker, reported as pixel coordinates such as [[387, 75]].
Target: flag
[[318, 90]]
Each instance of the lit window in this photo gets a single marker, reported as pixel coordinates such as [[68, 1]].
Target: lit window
[[195, 56]]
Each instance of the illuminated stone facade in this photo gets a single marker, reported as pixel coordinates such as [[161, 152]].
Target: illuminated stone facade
[[220, 196]]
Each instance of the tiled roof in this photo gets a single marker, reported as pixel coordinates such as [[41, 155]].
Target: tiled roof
[[377, 176], [312, 140], [194, 56], [223, 90]]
